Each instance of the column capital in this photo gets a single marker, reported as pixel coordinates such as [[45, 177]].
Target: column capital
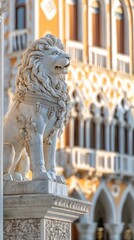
[[3, 6], [114, 228], [86, 231], [90, 227]]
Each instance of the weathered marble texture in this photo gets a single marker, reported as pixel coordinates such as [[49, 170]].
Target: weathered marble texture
[[33, 187], [41, 216], [39, 111]]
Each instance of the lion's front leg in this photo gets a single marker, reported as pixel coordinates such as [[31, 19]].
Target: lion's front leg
[[50, 154], [34, 144], [50, 159]]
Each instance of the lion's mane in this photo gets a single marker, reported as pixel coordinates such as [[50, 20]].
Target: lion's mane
[[30, 79]]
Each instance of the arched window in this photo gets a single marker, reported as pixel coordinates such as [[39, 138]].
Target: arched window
[[75, 20], [119, 14], [96, 23], [20, 19]]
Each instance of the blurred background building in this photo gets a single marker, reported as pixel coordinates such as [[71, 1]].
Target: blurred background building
[[96, 151]]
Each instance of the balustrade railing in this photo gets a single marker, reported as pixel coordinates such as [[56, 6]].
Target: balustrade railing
[[98, 56], [75, 49], [18, 40], [96, 160], [123, 62]]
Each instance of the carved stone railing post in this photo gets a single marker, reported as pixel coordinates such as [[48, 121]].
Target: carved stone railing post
[[3, 6]]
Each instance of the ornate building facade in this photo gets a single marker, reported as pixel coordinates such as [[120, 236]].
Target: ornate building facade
[[96, 151]]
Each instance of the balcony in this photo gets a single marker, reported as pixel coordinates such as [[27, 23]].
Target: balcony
[[18, 40], [98, 57], [75, 49], [99, 161], [123, 62]]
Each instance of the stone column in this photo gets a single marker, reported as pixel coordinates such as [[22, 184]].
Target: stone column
[[81, 132], [121, 137], [40, 210], [97, 133], [87, 133], [114, 230], [86, 231], [3, 6], [112, 136], [129, 140], [107, 136]]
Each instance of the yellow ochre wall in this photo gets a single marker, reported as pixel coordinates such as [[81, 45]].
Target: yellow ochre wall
[[45, 24]]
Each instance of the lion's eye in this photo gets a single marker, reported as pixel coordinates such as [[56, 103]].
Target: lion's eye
[[55, 53]]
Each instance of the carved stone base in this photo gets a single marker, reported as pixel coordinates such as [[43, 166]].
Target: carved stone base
[[34, 186], [41, 216]]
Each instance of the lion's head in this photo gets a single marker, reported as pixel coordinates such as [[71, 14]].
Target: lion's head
[[43, 67], [42, 70]]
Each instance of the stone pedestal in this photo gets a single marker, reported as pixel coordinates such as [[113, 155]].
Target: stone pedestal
[[44, 215]]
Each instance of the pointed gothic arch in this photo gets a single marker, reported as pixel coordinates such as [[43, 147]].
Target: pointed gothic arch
[[103, 194], [128, 196]]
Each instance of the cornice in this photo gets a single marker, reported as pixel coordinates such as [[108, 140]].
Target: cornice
[[44, 206], [46, 200]]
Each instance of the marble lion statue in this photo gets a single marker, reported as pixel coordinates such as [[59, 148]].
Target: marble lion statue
[[39, 111]]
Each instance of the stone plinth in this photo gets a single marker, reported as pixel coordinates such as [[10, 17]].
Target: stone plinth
[[36, 186], [40, 216]]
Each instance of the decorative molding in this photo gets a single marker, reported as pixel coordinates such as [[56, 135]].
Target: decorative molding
[[22, 229], [57, 230], [47, 199], [74, 205]]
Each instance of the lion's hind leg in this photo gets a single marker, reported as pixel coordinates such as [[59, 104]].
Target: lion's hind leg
[[11, 158]]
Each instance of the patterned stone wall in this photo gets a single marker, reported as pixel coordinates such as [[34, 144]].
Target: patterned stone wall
[[20, 229], [56, 230], [30, 229]]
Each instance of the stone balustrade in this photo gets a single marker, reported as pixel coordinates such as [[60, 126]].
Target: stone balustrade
[[98, 56], [75, 49], [123, 62], [104, 162], [18, 40]]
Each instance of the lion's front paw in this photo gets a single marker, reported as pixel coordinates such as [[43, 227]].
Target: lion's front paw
[[53, 175], [60, 179], [42, 175]]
